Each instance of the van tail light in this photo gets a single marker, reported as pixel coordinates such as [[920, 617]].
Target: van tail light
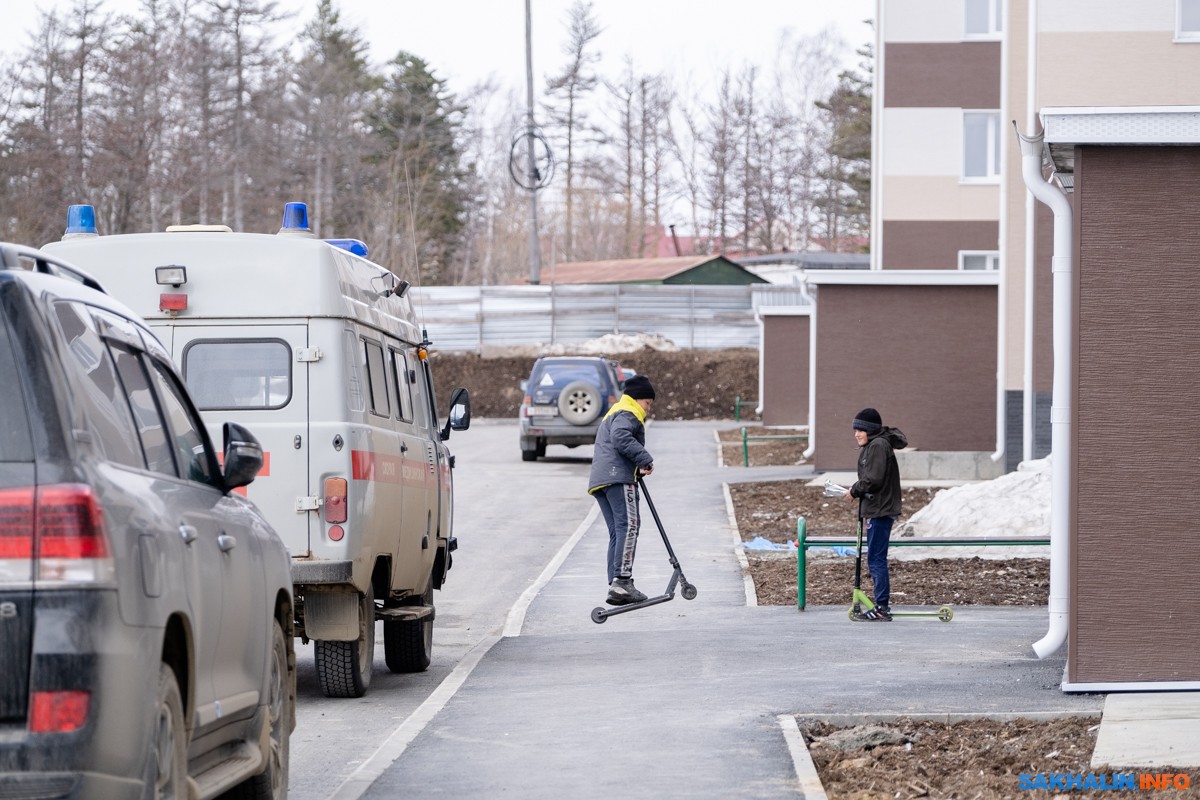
[[58, 712], [335, 500], [56, 532]]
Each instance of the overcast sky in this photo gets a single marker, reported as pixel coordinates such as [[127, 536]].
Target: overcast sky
[[467, 41]]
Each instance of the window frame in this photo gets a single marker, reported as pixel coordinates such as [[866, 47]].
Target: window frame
[[992, 145], [995, 18], [993, 257], [1190, 35], [373, 408]]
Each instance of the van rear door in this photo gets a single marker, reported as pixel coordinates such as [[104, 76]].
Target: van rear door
[[257, 375]]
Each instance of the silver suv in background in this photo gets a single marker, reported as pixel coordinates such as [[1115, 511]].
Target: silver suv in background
[[145, 605], [565, 399]]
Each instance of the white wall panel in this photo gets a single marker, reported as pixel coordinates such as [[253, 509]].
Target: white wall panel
[[922, 141], [922, 20]]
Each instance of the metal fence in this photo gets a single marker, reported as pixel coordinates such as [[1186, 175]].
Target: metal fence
[[469, 318]]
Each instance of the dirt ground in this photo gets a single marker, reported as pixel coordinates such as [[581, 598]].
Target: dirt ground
[[974, 760]]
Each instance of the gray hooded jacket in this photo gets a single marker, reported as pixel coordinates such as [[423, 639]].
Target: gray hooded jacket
[[620, 449]]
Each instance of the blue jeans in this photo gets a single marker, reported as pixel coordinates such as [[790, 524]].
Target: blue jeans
[[879, 533], [619, 505]]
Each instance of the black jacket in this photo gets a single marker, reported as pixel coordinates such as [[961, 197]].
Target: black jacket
[[878, 484]]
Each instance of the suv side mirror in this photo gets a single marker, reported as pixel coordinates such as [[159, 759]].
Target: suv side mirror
[[243, 455], [460, 412]]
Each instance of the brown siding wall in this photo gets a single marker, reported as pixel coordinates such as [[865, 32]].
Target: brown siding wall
[[934, 244], [924, 356], [942, 75], [785, 370], [1135, 544], [1043, 301]]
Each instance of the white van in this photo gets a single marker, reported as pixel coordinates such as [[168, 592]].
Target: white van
[[318, 351]]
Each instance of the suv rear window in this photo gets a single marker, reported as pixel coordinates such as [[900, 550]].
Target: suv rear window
[[559, 375], [15, 441]]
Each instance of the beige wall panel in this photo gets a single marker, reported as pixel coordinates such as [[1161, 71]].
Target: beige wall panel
[[1134, 543], [909, 244], [1107, 15], [924, 356], [939, 198], [942, 75], [1079, 69], [785, 369]]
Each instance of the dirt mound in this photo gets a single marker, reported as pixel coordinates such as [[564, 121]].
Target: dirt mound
[[690, 384]]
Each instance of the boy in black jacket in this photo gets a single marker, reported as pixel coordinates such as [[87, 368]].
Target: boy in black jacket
[[878, 493]]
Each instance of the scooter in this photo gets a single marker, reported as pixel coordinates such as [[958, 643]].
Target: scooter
[[860, 603], [688, 590]]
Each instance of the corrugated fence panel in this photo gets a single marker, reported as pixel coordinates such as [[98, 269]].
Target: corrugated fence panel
[[701, 317]]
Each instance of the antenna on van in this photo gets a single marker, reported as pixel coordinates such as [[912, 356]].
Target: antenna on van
[[412, 233]]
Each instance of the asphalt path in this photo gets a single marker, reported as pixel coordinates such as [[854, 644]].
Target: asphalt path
[[511, 518], [529, 697]]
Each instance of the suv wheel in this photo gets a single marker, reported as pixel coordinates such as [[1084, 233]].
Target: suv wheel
[[579, 403], [168, 756]]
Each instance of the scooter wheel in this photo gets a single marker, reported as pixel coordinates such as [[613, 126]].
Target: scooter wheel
[[850, 613], [945, 613], [598, 615], [688, 591]]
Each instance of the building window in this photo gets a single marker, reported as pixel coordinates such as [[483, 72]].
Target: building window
[[984, 18], [1188, 20], [981, 146], [978, 259]]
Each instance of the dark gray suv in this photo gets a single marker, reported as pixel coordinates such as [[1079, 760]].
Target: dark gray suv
[[145, 605], [565, 399]]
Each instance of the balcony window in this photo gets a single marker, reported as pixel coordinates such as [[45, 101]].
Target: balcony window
[[981, 146], [984, 19]]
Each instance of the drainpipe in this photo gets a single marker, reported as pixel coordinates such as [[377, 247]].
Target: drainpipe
[[812, 383], [1060, 409]]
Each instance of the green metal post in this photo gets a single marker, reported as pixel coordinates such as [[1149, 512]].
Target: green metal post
[[801, 562], [737, 409], [745, 450]]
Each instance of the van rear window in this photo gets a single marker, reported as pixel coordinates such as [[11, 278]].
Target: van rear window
[[238, 373]]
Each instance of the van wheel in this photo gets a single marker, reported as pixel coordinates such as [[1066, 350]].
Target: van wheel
[[166, 770], [408, 644], [344, 668], [271, 783]]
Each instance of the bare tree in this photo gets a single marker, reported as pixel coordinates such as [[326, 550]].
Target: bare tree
[[567, 91]]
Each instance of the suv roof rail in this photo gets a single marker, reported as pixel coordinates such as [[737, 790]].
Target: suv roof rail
[[12, 254]]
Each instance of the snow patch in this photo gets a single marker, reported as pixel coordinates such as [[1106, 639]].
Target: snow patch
[[604, 345]]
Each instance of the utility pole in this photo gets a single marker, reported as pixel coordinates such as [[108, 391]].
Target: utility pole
[[535, 256]]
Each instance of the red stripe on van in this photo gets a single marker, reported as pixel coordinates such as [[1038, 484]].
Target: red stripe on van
[[367, 465]]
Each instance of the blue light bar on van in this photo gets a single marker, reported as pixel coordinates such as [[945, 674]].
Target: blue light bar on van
[[81, 220], [295, 217], [352, 245]]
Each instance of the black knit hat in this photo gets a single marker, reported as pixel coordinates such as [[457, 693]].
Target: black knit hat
[[638, 387], [868, 420]]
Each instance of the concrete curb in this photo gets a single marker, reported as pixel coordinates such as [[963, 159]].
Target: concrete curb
[[738, 550]]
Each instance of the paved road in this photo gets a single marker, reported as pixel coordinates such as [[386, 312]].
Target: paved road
[[683, 699]]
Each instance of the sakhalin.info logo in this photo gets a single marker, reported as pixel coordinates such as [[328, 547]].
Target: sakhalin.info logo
[[1081, 781]]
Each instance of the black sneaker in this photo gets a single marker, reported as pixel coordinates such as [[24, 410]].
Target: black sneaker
[[869, 615], [884, 612], [623, 592]]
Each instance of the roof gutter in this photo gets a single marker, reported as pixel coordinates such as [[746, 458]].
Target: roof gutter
[[1060, 409]]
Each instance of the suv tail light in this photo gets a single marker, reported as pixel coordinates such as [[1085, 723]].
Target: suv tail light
[[58, 712], [58, 530]]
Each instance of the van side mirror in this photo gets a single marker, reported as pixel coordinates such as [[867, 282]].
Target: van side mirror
[[460, 413], [243, 455]]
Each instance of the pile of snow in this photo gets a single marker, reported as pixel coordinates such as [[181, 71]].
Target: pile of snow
[[605, 345], [1013, 505]]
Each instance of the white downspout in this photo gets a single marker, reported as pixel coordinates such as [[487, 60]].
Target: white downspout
[[1002, 246], [1060, 409], [762, 357], [812, 383]]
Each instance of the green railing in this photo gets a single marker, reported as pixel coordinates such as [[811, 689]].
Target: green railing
[[803, 543], [737, 407], [747, 439]]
